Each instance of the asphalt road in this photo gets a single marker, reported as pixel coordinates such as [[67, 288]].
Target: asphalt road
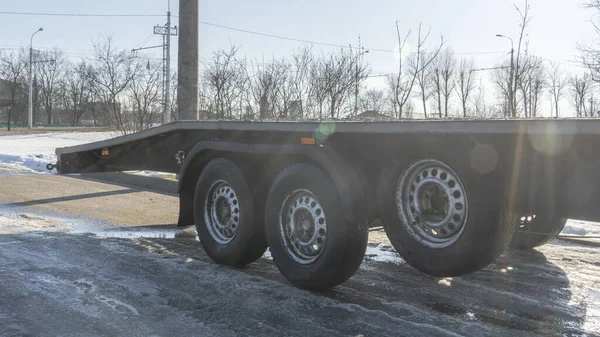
[[137, 275]]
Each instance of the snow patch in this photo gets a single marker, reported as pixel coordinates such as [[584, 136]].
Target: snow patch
[[268, 255], [31, 153], [581, 228], [382, 255]]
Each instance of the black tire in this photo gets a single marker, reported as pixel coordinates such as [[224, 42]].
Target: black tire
[[487, 229], [537, 232], [248, 243], [345, 244]]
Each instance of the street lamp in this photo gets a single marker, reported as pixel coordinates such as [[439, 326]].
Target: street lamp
[[30, 107], [511, 90], [363, 52]]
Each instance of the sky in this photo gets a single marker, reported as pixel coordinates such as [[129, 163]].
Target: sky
[[468, 26]]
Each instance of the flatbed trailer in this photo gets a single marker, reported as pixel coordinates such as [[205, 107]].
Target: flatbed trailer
[[450, 193]]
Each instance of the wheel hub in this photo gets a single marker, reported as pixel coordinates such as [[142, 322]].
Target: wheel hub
[[432, 203], [222, 212], [303, 226]]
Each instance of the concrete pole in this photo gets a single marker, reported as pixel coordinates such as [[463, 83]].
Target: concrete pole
[[168, 72], [30, 103], [30, 87], [512, 90], [187, 77]]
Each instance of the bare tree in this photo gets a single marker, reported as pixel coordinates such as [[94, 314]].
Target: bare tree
[[409, 109], [444, 70], [172, 105], [401, 85], [318, 83], [437, 90], [226, 78], [372, 100], [557, 83], [580, 89], [266, 86], [465, 83], [299, 81], [205, 100], [76, 91], [501, 78], [51, 74], [424, 81], [538, 84], [590, 53], [480, 102], [343, 70], [332, 78], [114, 70], [529, 83], [524, 20], [145, 95], [13, 71]]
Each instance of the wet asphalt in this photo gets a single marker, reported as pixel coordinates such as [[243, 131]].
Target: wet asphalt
[[93, 276]]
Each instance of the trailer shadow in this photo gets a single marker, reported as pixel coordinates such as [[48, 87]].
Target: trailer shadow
[[68, 198], [520, 291], [153, 184]]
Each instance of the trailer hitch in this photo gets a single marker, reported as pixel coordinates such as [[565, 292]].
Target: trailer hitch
[[51, 166]]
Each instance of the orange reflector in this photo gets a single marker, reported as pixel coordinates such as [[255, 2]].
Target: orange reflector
[[105, 152], [307, 141]]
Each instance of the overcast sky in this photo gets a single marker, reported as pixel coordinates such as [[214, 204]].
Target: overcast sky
[[468, 26]]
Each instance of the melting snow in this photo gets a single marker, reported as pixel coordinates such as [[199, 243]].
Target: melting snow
[[581, 228]]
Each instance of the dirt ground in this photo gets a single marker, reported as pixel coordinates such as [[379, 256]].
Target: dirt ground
[[88, 258]]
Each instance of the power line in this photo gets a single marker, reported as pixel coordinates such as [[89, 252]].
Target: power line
[[80, 14], [324, 43], [569, 63], [141, 44], [494, 60]]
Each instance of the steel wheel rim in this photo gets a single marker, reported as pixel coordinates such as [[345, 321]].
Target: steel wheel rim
[[303, 226], [432, 203], [222, 212]]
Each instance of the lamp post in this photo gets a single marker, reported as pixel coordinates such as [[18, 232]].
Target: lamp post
[[30, 107], [511, 91], [356, 81]]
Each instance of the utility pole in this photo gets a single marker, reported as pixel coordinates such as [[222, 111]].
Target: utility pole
[[511, 89], [360, 52], [356, 90], [30, 106], [166, 32], [168, 72], [187, 82], [510, 81]]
